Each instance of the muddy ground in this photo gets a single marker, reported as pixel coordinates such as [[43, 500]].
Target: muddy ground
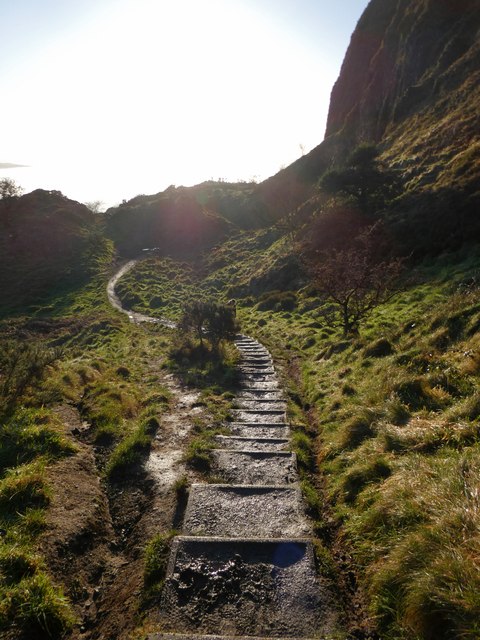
[[96, 534]]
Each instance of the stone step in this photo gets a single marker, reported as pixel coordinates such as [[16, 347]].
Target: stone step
[[247, 443], [255, 374], [259, 385], [257, 354], [236, 511], [248, 430], [235, 587], [268, 417], [269, 411], [253, 367], [255, 467], [254, 352]]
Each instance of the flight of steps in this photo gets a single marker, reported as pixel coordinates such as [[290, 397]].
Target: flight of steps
[[244, 565]]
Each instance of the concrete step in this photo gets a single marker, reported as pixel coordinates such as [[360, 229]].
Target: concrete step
[[258, 385], [254, 375], [236, 511], [260, 394], [253, 367], [255, 467], [243, 587], [248, 443], [249, 430], [255, 354]]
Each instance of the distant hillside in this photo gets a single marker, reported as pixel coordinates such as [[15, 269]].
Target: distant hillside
[[46, 241], [178, 222]]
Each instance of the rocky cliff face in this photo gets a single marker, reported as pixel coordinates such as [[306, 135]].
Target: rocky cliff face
[[410, 82]]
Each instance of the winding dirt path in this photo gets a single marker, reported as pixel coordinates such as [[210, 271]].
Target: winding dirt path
[[116, 302]]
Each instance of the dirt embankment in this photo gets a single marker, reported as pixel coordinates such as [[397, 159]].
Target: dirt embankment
[[96, 532]]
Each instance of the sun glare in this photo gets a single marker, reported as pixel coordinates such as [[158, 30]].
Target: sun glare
[[154, 92]]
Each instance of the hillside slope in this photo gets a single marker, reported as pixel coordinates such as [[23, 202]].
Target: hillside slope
[[409, 83]]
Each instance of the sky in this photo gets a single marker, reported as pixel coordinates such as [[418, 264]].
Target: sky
[[107, 99]]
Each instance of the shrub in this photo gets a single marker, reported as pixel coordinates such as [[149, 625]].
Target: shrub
[[215, 321]]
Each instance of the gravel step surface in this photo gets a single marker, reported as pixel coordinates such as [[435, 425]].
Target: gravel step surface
[[260, 394], [245, 430], [245, 511], [254, 404], [255, 467], [255, 417]]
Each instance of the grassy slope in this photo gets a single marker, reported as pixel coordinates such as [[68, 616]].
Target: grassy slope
[[397, 447], [102, 372], [109, 371]]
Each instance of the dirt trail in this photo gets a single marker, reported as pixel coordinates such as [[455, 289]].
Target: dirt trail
[[116, 302], [245, 565]]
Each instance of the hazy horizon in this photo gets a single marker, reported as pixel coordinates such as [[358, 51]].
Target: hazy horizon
[[111, 98]]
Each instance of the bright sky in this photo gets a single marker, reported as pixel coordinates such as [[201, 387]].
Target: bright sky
[[106, 99]]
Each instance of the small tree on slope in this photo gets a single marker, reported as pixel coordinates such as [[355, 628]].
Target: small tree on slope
[[354, 280]]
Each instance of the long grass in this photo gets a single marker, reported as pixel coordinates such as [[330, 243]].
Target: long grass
[[398, 408]]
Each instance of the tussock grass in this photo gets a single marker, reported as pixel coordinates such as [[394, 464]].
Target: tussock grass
[[156, 554], [36, 605], [130, 452], [22, 488], [29, 434]]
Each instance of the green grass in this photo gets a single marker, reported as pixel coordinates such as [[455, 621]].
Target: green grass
[[398, 412], [110, 371], [389, 455], [156, 555]]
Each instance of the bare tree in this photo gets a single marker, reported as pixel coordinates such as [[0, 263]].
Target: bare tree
[[95, 206], [9, 192], [354, 280], [9, 189]]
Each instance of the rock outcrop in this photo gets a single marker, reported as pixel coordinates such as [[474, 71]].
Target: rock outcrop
[[409, 83]]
